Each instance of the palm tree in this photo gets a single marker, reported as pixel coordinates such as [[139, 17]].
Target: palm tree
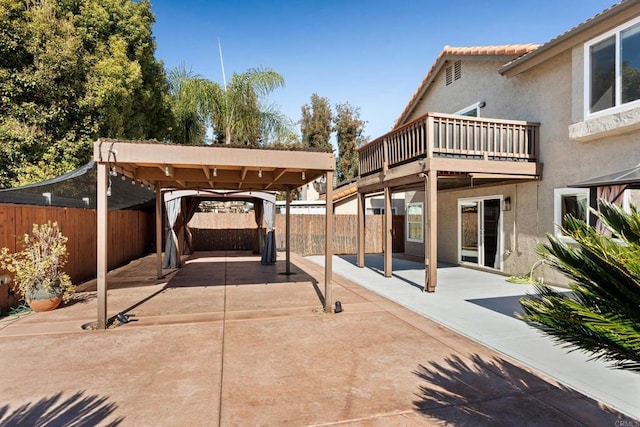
[[602, 314], [238, 111], [186, 91]]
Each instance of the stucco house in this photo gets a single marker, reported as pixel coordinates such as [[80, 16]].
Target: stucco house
[[499, 142]]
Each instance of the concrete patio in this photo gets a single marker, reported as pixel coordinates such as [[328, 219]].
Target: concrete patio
[[482, 306], [227, 341]]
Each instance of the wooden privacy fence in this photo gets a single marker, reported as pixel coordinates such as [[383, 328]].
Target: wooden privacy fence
[[224, 231], [307, 234], [131, 234]]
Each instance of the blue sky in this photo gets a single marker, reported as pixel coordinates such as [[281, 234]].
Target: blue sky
[[372, 54]]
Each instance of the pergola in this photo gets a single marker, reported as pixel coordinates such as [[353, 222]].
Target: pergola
[[180, 167]]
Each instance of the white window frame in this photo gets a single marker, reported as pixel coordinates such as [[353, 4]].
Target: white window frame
[[421, 205], [470, 108], [500, 230], [558, 193], [380, 211], [618, 107]]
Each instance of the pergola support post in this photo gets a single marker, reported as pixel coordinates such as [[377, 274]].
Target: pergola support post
[[102, 217], [388, 256], [288, 232], [361, 229], [328, 245], [159, 232], [431, 231]]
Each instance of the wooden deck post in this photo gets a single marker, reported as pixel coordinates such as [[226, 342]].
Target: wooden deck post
[[288, 232], [361, 229], [431, 231], [159, 231], [388, 238], [328, 245], [102, 213]]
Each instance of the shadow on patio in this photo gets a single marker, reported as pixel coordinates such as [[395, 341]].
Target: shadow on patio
[[479, 391], [245, 345], [79, 409]]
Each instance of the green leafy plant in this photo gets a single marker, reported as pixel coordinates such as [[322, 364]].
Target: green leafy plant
[[527, 279], [602, 314], [39, 265]]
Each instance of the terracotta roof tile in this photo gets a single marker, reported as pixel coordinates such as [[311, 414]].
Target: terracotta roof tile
[[342, 192], [453, 51]]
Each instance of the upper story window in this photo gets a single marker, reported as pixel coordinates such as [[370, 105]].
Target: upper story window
[[471, 111], [612, 72]]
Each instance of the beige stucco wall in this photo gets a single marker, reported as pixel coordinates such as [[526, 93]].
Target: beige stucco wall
[[550, 93], [480, 81]]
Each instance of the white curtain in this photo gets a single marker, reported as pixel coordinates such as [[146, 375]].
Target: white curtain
[[612, 194], [269, 253], [170, 259]]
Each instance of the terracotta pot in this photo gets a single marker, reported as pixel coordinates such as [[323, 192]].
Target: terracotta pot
[[42, 300], [44, 304]]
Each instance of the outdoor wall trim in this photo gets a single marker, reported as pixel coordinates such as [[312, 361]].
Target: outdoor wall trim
[[606, 125]]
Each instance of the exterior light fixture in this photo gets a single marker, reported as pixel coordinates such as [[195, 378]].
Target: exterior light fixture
[[259, 173], [109, 189], [338, 308], [166, 170], [215, 171], [113, 171], [506, 204], [123, 177], [133, 182], [304, 177]]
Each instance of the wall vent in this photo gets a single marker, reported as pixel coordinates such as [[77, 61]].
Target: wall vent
[[449, 75], [457, 70]]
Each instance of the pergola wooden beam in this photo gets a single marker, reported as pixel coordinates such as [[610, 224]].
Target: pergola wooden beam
[[388, 234], [423, 173], [328, 248], [430, 231], [102, 237], [361, 229], [199, 167]]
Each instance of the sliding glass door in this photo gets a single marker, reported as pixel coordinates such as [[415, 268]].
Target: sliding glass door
[[480, 232]]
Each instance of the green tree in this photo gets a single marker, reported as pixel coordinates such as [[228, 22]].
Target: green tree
[[72, 71], [349, 130], [189, 122], [601, 316], [315, 124], [239, 112]]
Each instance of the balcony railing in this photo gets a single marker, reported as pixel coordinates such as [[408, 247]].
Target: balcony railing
[[446, 135]]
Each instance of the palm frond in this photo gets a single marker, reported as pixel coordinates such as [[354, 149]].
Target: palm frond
[[602, 313]]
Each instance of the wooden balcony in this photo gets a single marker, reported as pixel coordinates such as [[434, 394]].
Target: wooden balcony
[[437, 135]]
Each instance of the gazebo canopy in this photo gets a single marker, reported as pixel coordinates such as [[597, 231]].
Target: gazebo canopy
[[185, 167], [223, 167], [78, 189]]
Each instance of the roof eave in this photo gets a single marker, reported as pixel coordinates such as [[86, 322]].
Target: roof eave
[[434, 71], [614, 16]]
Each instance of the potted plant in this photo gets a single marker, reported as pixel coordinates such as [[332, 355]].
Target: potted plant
[[38, 269]]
